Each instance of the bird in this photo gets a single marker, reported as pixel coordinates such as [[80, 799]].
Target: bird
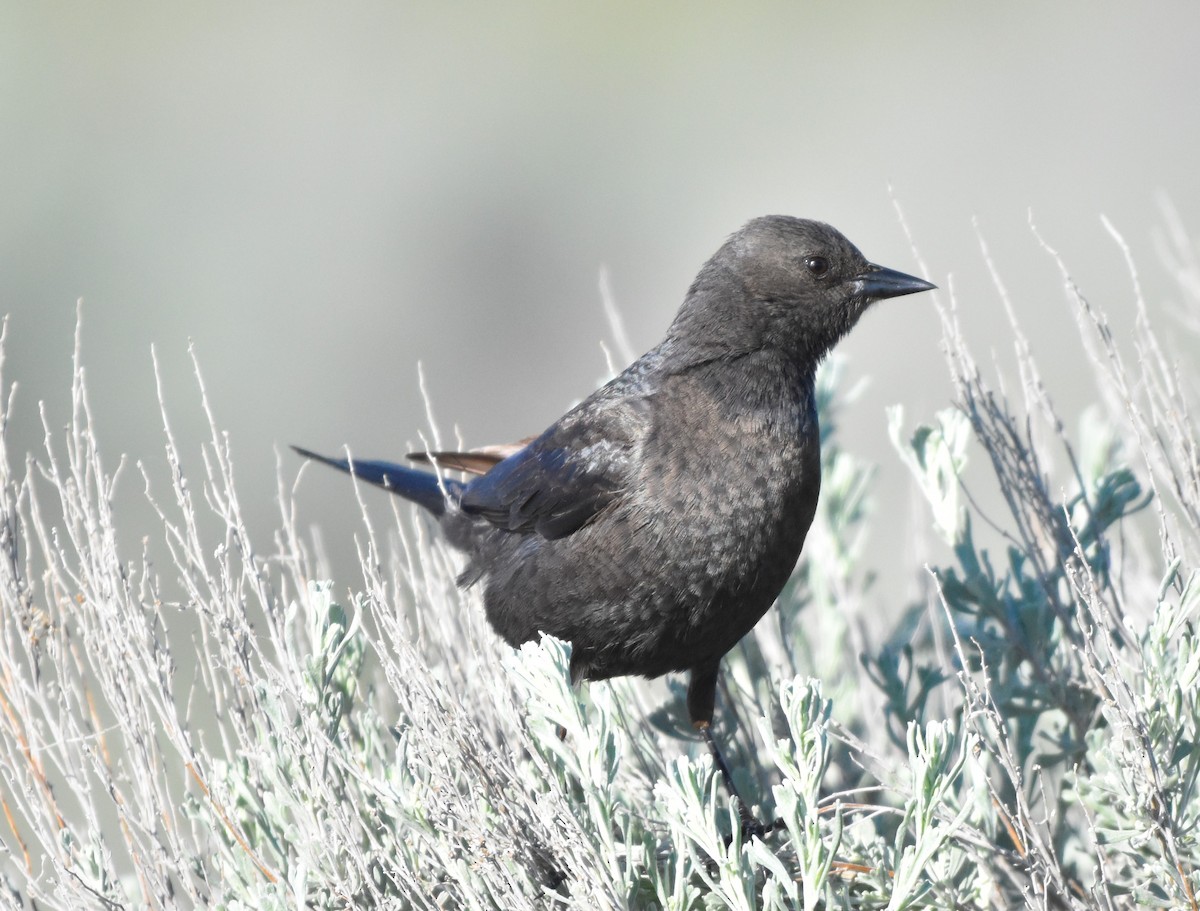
[[655, 523]]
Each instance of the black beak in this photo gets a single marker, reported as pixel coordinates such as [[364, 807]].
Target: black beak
[[876, 282]]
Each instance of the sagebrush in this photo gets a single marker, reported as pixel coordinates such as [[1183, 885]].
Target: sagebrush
[[236, 732]]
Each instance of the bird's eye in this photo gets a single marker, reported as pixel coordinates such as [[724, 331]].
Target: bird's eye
[[817, 265]]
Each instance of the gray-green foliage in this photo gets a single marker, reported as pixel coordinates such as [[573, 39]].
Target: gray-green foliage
[[1024, 737]]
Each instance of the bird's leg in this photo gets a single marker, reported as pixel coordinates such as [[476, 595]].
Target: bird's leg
[[751, 827], [578, 674], [701, 701]]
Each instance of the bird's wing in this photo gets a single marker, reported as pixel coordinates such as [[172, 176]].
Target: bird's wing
[[471, 461], [560, 481]]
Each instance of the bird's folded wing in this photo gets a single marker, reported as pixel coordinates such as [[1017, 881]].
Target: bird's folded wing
[[564, 478], [471, 461]]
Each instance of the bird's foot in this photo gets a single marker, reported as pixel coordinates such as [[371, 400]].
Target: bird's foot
[[753, 827]]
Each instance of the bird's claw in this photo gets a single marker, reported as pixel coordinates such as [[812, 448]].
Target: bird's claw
[[753, 827]]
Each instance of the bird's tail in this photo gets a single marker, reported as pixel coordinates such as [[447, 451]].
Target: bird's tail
[[421, 487]]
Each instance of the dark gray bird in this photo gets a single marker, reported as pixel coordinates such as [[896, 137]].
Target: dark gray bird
[[655, 523]]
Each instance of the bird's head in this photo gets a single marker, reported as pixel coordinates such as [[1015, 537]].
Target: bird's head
[[785, 282]]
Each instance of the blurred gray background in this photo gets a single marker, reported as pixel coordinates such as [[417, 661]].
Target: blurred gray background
[[321, 195]]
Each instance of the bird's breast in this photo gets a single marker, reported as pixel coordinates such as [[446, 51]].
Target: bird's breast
[[728, 490]]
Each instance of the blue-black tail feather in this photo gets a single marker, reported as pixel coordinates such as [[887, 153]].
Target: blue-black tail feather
[[421, 487]]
